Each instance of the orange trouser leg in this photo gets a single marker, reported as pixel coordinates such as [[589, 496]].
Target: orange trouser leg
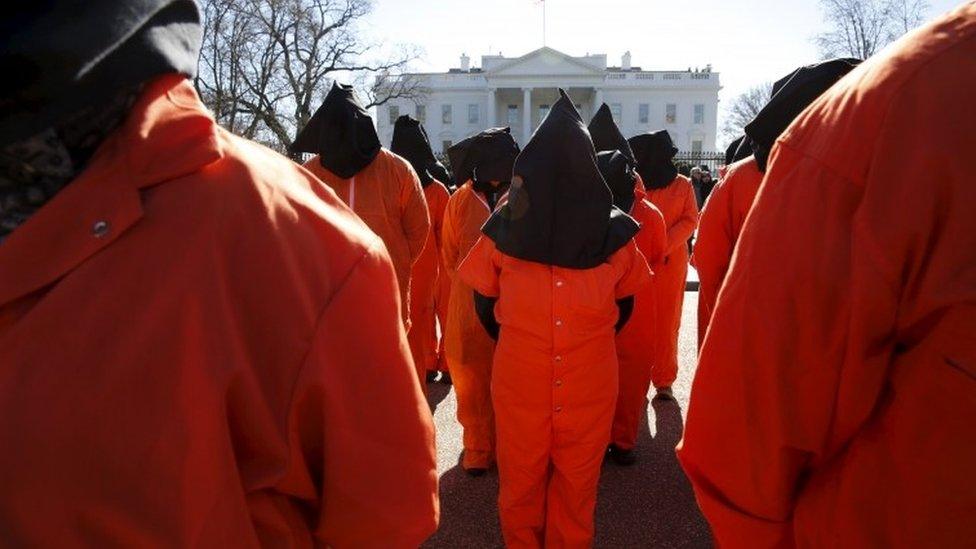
[[422, 338], [579, 446], [523, 471], [472, 385], [635, 381], [669, 302]]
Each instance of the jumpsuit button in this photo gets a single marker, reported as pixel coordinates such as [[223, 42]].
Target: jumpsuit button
[[559, 323], [558, 359], [559, 383], [559, 409], [100, 228], [559, 283]]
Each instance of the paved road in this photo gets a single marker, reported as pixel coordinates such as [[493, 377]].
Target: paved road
[[647, 505]]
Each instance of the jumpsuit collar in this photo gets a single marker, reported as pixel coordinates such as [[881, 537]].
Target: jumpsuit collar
[[167, 134]]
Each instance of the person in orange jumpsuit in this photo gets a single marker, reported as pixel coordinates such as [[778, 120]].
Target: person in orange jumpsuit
[[410, 142], [674, 196], [557, 257], [379, 186], [188, 322], [834, 402], [721, 221], [635, 343], [484, 163]]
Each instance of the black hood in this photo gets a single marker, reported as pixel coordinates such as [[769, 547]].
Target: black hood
[[793, 94], [618, 171], [606, 135], [410, 141], [560, 211], [732, 149], [653, 152], [341, 132], [59, 58], [484, 157], [440, 173]]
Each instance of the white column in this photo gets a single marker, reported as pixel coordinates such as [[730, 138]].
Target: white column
[[492, 108], [597, 99], [526, 115]]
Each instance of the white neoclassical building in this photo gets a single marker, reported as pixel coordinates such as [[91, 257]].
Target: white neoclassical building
[[518, 91]]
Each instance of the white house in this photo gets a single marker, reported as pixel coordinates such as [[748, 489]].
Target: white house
[[517, 92]]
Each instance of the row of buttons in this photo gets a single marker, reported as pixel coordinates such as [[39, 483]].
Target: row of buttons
[[557, 358]]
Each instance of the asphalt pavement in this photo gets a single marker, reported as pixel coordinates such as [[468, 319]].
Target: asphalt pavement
[[649, 504]]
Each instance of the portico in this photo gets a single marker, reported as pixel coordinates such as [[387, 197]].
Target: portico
[[517, 92]]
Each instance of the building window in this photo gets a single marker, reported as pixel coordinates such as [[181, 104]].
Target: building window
[[643, 113], [422, 113], [513, 115], [616, 109], [696, 146], [699, 114], [394, 113], [671, 113], [543, 112], [447, 116], [446, 144], [473, 113]]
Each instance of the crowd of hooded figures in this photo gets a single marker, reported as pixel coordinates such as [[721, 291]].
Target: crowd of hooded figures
[[204, 343]]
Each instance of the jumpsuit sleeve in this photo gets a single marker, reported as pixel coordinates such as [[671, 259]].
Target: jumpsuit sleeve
[[480, 268], [449, 238], [414, 215], [684, 226], [779, 347], [657, 235], [713, 247], [636, 272], [360, 430]]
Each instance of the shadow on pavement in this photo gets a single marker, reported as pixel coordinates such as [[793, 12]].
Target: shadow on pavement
[[436, 393], [651, 503], [469, 513]]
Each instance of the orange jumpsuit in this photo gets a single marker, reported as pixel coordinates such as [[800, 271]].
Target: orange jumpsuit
[[387, 195], [834, 402], [635, 342], [185, 330], [442, 304], [554, 386], [468, 348], [424, 280], [718, 230], [677, 203]]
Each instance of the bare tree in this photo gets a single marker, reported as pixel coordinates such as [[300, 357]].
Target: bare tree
[[265, 64], [859, 28], [744, 107], [907, 15]]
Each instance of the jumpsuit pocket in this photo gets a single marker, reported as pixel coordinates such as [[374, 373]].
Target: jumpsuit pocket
[[591, 299]]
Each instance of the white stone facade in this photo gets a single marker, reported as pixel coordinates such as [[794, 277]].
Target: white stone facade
[[467, 100]]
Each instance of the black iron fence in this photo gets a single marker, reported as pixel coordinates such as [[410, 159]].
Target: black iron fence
[[712, 160]]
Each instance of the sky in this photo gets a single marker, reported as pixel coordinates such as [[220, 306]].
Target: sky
[[748, 41]]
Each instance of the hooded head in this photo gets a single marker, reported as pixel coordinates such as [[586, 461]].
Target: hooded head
[[484, 157], [606, 135], [560, 211], [341, 132], [60, 58], [440, 173], [731, 150], [653, 153], [410, 141], [618, 171], [792, 94]]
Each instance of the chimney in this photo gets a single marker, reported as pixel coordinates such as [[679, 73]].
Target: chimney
[[465, 62], [625, 62]]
